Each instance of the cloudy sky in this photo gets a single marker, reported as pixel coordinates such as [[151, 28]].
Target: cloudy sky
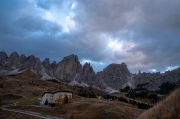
[[145, 34]]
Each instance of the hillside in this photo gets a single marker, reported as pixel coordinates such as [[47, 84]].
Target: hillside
[[89, 109], [24, 79], [167, 109], [25, 90]]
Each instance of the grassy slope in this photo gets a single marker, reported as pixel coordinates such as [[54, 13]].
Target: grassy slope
[[167, 109], [15, 115], [89, 109], [81, 108]]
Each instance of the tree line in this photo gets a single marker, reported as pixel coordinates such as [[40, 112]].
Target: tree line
[[87, 94], [140, 105]]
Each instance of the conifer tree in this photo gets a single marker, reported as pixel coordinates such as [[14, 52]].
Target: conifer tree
[[0, 102]]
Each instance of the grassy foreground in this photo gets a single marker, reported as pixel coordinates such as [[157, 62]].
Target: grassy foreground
[[167, 109]]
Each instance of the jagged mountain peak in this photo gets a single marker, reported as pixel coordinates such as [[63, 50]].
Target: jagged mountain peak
[[31, 55], [46, 61], [2, 52], [87, 63], [115, 76], [3, 59], [13, 56], [71, 57], [68, 68], [53, 63], [87, 76], [87, 69], [22, 57], [117, 68]]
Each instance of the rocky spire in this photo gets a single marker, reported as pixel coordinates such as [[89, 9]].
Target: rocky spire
[[47, 66], [13, 57], [53, 64], [68, 68], [3, 59], [88, 75], [87, 69], [22, 58], [46, 62]]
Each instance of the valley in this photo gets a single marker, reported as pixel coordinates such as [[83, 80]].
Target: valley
[[112, 93], [19, 92]]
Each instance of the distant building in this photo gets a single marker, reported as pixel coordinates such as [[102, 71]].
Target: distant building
[[58, 97]]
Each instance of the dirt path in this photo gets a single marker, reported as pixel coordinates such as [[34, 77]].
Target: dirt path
[[44, 116]]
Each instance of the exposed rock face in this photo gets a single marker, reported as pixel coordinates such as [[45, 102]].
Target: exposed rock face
[[12, 62], [13, 57], [87, 69], [115, 75], [33, 63], [68, 68], [88, 75], [65, 70], [99, 80], [47, 66], [151, 81], [3, 59], [22, 58], [54, 65]]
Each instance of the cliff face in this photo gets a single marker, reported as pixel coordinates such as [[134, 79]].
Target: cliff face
[[3, 59], [47, 67], [15, 63], [65, 70], [152, 81], [87, 76], [68, 68], [114, 76]]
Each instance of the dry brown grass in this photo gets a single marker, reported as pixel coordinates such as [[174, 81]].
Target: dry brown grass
[[89, 109], [80, 109], [167, 109], [15, 115], [29, 87]]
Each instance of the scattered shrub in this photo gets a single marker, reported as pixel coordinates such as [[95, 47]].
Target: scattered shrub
[[2, 84], [126, 89], [166, 88], [86, 94], [0, 101]]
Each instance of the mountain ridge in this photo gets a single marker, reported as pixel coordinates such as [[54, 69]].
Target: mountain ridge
[[113, 78]]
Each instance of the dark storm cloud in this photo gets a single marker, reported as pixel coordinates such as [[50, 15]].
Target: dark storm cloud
[[154, 26], [146, 33], [37, 24]]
